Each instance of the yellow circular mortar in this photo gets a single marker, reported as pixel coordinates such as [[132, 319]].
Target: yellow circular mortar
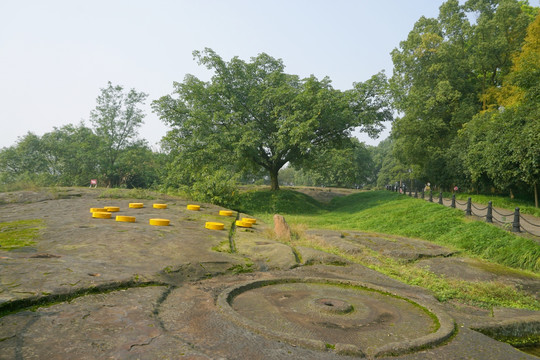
[[160, 206], [194, 207], [112, 208], [125, 218], [214, 225], [225, 212], [101, 215], [159, 222], [92, 210], [241, 223], [250, 220], [136, 205]]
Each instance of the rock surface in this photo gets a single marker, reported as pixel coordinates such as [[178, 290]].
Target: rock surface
[[130, 290]]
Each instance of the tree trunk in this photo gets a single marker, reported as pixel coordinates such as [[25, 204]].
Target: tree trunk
[[274, 184]]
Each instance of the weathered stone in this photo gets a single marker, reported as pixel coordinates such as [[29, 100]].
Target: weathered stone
[[281, 227]]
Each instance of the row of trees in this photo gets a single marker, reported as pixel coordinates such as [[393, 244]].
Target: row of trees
[[468, 97], [73, 154]]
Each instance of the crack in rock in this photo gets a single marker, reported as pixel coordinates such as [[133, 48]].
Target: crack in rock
[[144, 344]]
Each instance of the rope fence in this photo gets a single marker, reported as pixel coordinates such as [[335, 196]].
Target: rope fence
[[494, 210], [517, 217]]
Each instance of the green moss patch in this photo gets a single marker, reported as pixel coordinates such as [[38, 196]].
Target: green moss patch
[[17, 234]]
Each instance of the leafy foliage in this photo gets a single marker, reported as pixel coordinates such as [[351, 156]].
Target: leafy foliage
[[116, 120], [255, 116], [444, 74]]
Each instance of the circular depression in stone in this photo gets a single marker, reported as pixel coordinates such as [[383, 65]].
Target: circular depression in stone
[[332, 306], [328, 314]]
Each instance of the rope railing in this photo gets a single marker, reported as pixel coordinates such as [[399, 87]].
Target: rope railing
[[516, 223], [501, 222], [494, 210], [478, 215], [482, 209], [528, 222]]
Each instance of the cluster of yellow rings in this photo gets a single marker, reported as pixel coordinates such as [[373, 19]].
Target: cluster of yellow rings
[[214, 225], [105, 213]]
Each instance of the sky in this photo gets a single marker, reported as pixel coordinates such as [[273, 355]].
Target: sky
[[56, 55]]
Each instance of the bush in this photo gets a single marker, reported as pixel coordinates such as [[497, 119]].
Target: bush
[[217, 187]]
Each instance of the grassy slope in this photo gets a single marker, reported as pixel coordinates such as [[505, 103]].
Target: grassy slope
[[387, 212]]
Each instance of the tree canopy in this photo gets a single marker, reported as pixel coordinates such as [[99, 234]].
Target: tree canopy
[[116, 119], [448, 71], [256, 116]]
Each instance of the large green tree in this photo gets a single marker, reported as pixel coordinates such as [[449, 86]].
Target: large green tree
[[254, 115], [444, 74], [504, 142], [116, 120]]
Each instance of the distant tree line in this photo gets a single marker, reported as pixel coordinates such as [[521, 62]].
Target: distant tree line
[[73, 154]]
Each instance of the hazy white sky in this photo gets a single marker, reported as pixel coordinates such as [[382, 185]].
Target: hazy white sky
[[55, 55]]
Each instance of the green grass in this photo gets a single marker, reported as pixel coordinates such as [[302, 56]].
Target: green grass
[[391, 213], [17, 234], [279, 202], [479, 293]]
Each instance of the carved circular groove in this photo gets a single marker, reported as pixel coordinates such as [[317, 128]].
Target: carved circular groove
[[350, 317], [333, 306]]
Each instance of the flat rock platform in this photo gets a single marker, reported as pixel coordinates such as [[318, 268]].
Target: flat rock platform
[[90, 288]]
